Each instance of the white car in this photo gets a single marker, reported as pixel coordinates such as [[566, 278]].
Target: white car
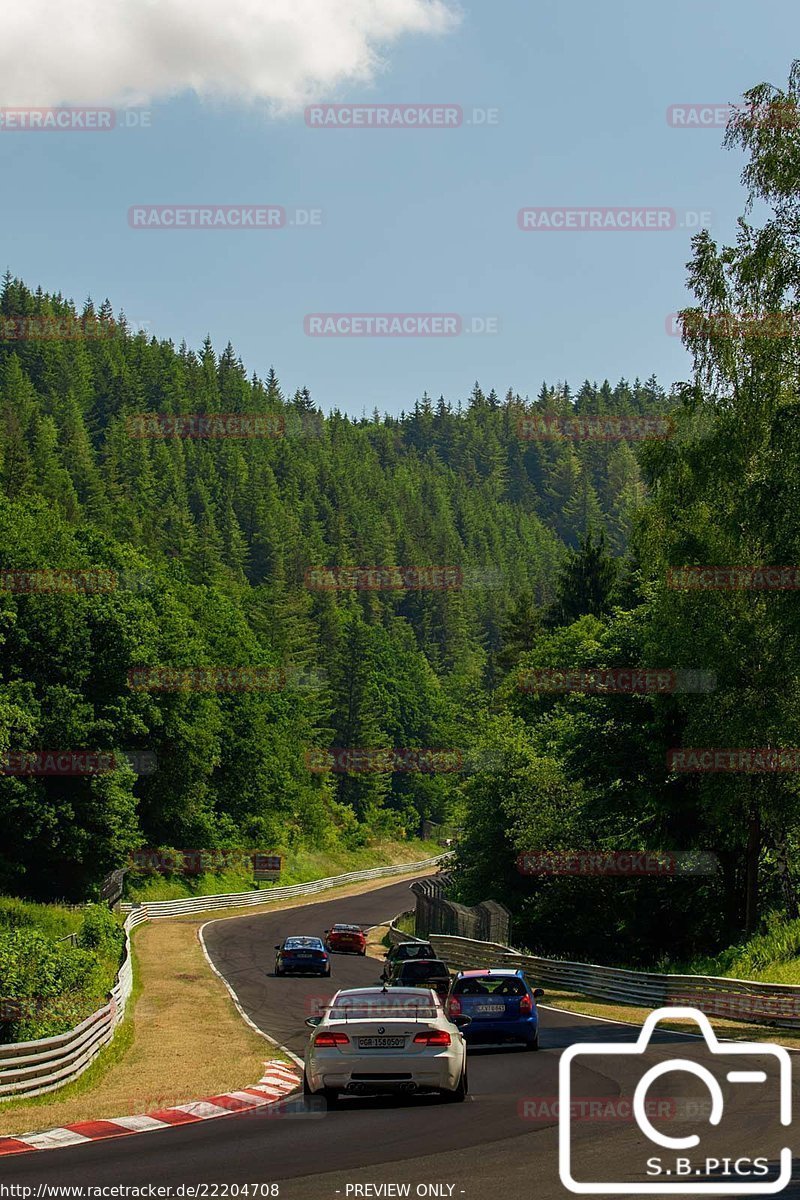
[[385, 1040]]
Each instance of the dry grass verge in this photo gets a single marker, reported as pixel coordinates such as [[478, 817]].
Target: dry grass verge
[[185, 1039]]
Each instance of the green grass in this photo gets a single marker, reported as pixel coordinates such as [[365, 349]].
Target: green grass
[[770, 957], [406, 923], [56, 984], [299, 866], [53, 920], [113, 1052]]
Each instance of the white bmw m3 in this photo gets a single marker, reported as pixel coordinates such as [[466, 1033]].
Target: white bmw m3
[[372, 1041]]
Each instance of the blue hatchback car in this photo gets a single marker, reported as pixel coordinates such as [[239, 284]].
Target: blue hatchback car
[[302, 955], [500, 1002]]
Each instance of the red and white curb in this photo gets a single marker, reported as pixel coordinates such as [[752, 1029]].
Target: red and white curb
[[279, 1080]]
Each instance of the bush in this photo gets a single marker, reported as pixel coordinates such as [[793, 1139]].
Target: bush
[[50, 986], [100, 930]]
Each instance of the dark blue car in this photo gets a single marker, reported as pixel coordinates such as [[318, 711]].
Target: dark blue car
[[302, 955], [500, 1002]]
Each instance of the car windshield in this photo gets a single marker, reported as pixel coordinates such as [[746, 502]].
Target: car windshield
[[490, 985], [376, 1005], [421, 951], [424, 970]]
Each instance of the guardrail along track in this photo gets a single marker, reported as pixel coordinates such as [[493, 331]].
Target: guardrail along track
[[735, 999], [32, 1068]]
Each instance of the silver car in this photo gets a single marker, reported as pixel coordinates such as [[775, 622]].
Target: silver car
[[373, 1041]]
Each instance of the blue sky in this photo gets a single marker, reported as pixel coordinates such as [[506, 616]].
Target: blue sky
[[411, 220]]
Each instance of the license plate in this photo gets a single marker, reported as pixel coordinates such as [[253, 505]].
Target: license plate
[[381, 1043], [301, 955], [490, 1008]]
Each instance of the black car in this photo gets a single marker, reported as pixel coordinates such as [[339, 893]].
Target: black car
[[421, 972], [302, 955]]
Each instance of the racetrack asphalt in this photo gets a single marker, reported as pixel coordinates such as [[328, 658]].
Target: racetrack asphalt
[[502, 1142]]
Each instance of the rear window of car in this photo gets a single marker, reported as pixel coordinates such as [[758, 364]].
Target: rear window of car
[[424, 970], [299, 943], [364, 1007], [421, 951], [346, 929], [490, 985]]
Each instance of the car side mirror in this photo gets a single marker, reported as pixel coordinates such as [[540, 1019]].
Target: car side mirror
[[277, 947], [313, 1022], [538, 993], [462, 1021], [327, 931]]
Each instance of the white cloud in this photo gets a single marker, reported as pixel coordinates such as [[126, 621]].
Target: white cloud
[[284, 53]]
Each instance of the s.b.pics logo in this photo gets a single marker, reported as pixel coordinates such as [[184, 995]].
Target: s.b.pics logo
[[725, 1082]]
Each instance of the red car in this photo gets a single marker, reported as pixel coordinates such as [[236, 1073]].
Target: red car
[[346, 939]]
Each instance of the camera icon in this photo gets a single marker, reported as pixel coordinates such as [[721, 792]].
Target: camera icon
[[685, 1176]]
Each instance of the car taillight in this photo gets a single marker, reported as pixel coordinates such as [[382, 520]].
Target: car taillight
[[438, 1037], [454, 1007], [331, 1039], [526, 1006]]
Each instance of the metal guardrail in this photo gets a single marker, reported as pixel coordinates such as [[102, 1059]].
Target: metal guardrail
[[734, 999], [33, 1068], [193, 904], [396, 936]]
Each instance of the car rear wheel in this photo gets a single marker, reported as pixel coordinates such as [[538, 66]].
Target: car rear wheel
[[460, 1094], [534, 1045]]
